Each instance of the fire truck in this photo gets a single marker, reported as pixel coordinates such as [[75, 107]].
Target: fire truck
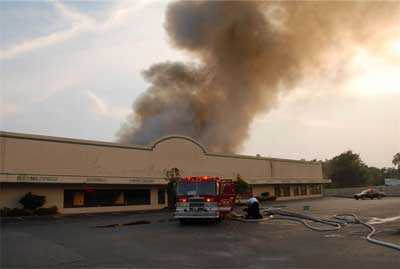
[[204, 197]]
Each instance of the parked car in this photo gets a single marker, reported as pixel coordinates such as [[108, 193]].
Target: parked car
[[370, 193]]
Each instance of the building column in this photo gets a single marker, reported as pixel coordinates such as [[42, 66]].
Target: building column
[[154, 197]]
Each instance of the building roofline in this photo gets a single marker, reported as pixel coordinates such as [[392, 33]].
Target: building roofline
[[154, 144], [149, 147], [240, 156], [70, 140]]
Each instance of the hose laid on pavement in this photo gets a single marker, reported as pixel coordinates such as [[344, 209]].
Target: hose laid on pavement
[[302, 218], [372, 232], [340, 221], [285, 215], [308, 225]]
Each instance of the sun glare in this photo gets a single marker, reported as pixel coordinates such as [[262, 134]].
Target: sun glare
[[377, 81], [375, 76], [395, 48]]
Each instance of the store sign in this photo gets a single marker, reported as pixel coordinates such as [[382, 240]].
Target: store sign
[[95, 180], [141, 181], [27, 178]]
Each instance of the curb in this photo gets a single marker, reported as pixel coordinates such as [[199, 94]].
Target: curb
[[5, 220]]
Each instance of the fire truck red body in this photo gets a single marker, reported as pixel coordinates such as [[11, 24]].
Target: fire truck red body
[[204, 197]]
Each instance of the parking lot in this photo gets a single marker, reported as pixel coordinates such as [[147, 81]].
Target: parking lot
[[81, 241]]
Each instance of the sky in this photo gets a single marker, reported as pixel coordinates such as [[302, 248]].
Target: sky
[[74, 69]]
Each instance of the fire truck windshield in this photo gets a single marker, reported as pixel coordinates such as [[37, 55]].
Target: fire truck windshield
[[197, 188]]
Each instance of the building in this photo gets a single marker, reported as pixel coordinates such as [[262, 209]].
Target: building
[[90, 176]]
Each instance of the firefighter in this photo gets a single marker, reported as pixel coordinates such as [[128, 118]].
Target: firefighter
[[253, 209]]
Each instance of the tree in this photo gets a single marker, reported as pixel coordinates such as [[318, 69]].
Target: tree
[[396, 160], [172, 175], [389, 172], [241, 186], [376, 176], [347, 170]]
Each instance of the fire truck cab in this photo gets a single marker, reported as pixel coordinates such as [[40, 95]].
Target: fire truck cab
[[204, 197]]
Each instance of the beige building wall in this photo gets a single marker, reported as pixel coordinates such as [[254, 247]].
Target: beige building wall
[[48, 165], [11, 193], [296, 170], [76, 159]]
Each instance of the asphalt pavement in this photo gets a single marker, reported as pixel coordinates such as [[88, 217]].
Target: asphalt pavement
[[155, 240]]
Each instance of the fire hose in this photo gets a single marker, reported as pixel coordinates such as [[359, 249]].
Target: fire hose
[[286, 215], [336, 223], [372, 232]]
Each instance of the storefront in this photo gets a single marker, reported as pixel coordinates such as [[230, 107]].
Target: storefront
[[92, 176]]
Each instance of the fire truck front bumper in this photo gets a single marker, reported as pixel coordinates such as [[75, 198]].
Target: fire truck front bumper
[[186, 213]]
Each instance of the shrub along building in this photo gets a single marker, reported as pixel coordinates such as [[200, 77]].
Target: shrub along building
[[91, 176]]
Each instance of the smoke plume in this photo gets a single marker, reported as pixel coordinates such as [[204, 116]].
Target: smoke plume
[[246, 54]]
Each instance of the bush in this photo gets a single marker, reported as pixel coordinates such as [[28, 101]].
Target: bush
[[47, 210], [32, 201]]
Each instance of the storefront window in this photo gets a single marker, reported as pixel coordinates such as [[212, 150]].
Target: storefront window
[[296, 190], [303, 189], [100, 197], [286, 190], [137, 197], [69, 198], [282, 191], [315, 189], [278, 192]]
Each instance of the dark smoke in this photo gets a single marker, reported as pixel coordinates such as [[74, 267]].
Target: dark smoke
[[246, 54]]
